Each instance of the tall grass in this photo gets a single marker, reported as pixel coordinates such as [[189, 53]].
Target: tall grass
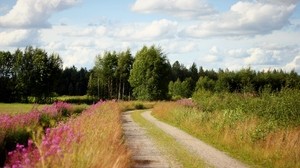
[[94, 139], [243, 126]]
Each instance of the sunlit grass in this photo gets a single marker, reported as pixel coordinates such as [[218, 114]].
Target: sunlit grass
[[254, 140], [102, 142], [168, 144], [16, 108], [92, 139]]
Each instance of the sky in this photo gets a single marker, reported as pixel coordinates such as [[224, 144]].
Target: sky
[[232, 34]]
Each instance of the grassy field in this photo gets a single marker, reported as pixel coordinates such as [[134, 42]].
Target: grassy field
[[225, 121], [16, 108], [168, 144]]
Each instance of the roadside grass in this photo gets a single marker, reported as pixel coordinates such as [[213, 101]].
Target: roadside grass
[[92, 139], [168, 144], [102, 142], [247, 137]]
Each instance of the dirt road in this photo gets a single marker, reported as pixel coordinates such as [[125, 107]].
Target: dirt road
[[146, 154], [209, 154]]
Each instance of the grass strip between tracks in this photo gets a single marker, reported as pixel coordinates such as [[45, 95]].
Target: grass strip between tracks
[[168, 144]]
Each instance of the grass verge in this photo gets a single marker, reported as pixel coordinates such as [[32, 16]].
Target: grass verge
[[92, 139], [253, 140], [168, 144]]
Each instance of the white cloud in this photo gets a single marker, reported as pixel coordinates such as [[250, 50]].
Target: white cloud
[[271, 55], [179, 46], [244, 18], [259, 56], [182, 8], [19, 38], [159, 29], [89, 31], [294, 65], [237, 53], [33, 13]]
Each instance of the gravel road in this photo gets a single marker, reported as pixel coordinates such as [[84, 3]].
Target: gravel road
[[145, 153], [209, 154]]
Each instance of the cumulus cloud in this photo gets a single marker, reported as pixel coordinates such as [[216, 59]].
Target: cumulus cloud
[[19, 38], [294, 65], [33, 13], [159, 29], [259, 56], [271, 55], [245, 18], [89, 31], [215, 55], [185, 9]]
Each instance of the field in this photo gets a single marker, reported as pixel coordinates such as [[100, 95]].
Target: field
[[262, 131], [64, 135], [17, 108]]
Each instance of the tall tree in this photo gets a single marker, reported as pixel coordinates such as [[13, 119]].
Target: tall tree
[[125, 61], [150, 74]]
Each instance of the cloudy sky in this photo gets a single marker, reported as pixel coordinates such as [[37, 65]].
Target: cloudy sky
[[262, 34]]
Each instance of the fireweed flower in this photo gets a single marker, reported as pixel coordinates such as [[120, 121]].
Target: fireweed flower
[[54, 144]]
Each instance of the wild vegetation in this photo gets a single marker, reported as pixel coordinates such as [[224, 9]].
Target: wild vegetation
[[78, 142], [260, 130], [18, 128]]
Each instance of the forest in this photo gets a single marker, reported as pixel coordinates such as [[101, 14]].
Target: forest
[[33, 75]]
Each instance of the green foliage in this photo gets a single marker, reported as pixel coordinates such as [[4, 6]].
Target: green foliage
[[247, 80], [149, 76], [179, 89], [282, 107], [73, 81], [139, 106], [205, 83], [29, 73], [109, 77]]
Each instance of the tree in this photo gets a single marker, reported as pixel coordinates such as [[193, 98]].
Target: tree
[[150, 74], [179, 71], [194, 76], [180, 89], [7, 76], [206, 84], [125, 61], [109, 77]]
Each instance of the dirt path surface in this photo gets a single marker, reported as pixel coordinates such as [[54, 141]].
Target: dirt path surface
[[145, 152], [209, 154]]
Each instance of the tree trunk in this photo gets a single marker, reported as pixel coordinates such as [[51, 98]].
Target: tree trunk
[[119, 90], [123, 91]]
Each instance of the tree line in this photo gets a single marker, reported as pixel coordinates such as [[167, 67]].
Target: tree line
[[35, 74]]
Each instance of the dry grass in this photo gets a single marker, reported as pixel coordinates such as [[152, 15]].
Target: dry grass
[[101, 144], [246, 137]]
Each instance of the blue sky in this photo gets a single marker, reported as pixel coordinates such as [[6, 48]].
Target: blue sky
[[262, 34]]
